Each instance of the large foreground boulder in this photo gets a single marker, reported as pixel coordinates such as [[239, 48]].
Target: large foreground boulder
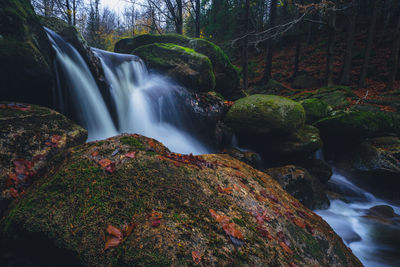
[[226, 74], [265, 114], [25, 55], [33, 140], [128, 201], [301, 184], [188, 67]]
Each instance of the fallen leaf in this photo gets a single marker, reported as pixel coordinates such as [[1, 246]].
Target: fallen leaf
[[112, 242], [14, 193], [232, 230], [196, 257], [131, 155], [104, 162], [114, 231], [95, 153], [286, 248]]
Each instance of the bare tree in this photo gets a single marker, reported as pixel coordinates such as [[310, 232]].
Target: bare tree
[[245, 53], [394, 60]]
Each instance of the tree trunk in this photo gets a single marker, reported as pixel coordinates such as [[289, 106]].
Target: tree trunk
[[197, 19], [74, 12], [298, 48], [347, 65], [245, 70], [370, 40], [331, 48], [394, 60], [69, 12], [270, 44]]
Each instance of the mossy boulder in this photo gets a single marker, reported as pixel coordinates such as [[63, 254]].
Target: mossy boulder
[[300, 144], [25, 55], [128, 45], [226, 74], [188, 67], [300, 184], [315, 109], [265, 114], [53, 23], [351, 126], [33, 140], [177, 210]]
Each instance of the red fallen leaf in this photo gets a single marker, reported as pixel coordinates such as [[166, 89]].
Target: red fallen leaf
[[196, 257], [110, 168], [21, 165], [260, 198], [292, 264], [112, 242], [155, 222], [236, 187], [227, 190], [14, 193], [219, 218], [131, 155], [114, 231], [263, 232], [104, 162], [13, 177], [55, 139], [232, 230], [286, 248], [95, 153], [155, 218], [299, 223]]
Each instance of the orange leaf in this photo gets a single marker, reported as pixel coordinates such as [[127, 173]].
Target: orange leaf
[[95, 153], [104, 162], [112, 242], [14, 193], [114, 231], [286, 248], [232, 230], [131, 155], [196, 257]]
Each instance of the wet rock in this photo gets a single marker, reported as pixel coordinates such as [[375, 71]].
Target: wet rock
[[265, 115], [249, 157], [211, 208], [33, 141], [383, 211], [318, 168], [300, 184], [226, 74], [191, 69], [315, 109], [25, 55]]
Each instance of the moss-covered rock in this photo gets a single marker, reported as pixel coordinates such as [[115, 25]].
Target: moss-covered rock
[[351, 126], [33, 140], [315, 109], [300, 184], [265, 114], [226, 74], [128, 45], [53, 23], [25, 55], [188, 67], [210, 207]]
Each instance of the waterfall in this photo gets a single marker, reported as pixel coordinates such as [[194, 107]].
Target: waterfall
[[78, 81], [147, 104]]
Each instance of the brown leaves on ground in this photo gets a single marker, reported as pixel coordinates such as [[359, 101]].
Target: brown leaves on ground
[[15, 106], [53, 141], [21, 177], [230, 228], [115, 235], [155, 218], [196, 257], [131, 155], [107, 165]]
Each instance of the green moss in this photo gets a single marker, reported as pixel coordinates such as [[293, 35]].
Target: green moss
[[131, 141], [265, 114], [315, 109]]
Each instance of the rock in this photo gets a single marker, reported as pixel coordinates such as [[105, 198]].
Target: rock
[[248, 157], [191, 69], [265, 114], [128, 45], [33, 140], [226, 74], [318, 168], [348, 127], [53, 23], [299, 145], [383, 211], [301, 185], [315, 109], [305, 81], [176, 208], [25, 55]]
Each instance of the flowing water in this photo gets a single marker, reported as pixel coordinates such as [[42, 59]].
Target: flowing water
[[374, 242], [145, 103]]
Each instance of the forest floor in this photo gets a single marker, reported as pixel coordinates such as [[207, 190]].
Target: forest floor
[[313, 62]]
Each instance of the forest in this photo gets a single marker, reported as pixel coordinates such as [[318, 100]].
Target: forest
[[199, 132]]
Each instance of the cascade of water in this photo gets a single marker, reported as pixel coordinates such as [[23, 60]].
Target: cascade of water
[[80, 83]]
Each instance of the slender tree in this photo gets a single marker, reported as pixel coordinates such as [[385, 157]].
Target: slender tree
[[245, 53], [351, 17], [270, 43], [394, 60], [371, 32]]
